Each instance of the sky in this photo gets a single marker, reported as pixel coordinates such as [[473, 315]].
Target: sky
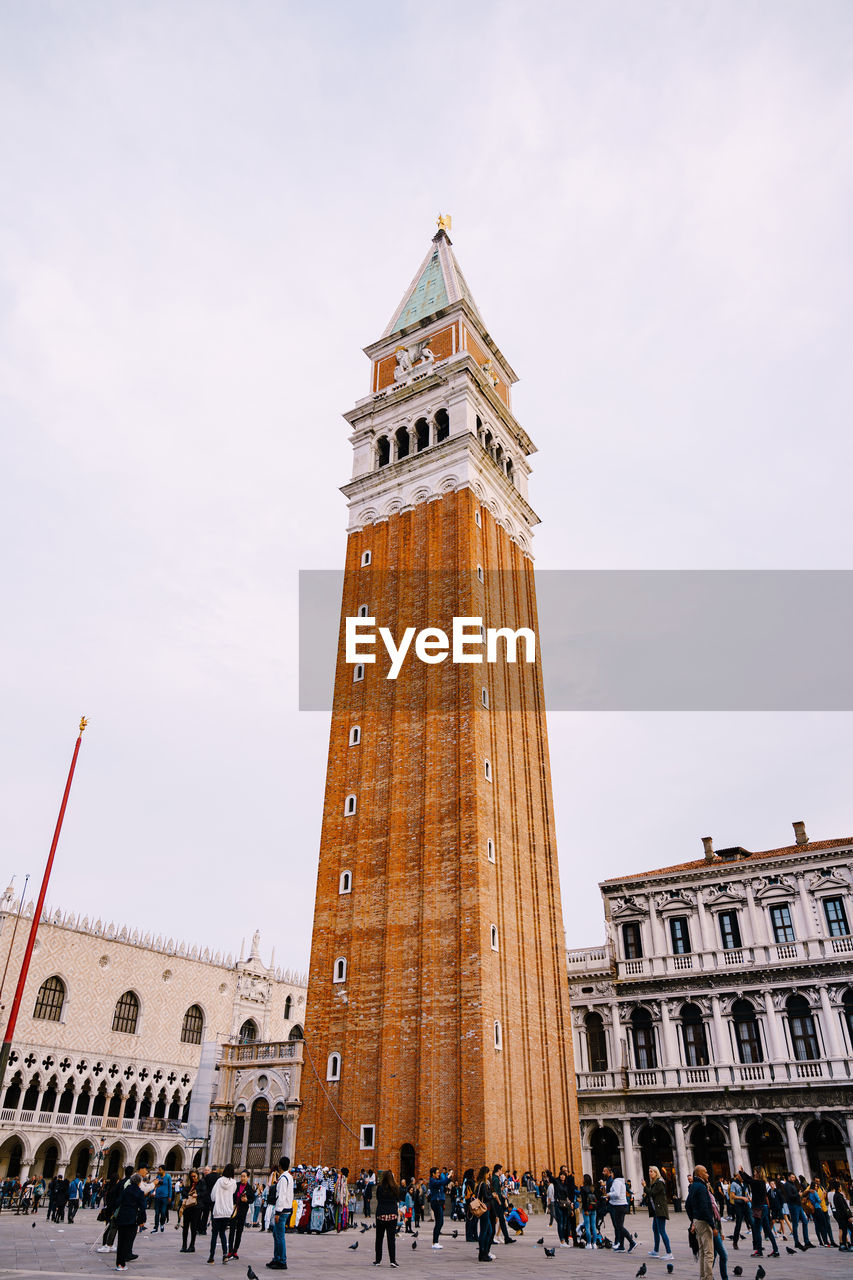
[[208, 210]]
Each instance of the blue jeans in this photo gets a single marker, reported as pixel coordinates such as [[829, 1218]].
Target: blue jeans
[[799, 1215], [659, 1232], [561, 1213], [487, 1234], [720, 1252], [438, 1215], [762, 1220], [279, 1247], [161, 1211], [590, 1228]]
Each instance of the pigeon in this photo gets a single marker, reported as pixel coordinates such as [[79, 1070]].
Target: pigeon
[[549, 1253], [541, 1240], [364, 1227], [354, 1246], [34, 1226], [791, 1251], [738, 1271], [414, 1244], [669, 1268], [643, 1270], [454, 1234], [760, 1274], [250, 1274]]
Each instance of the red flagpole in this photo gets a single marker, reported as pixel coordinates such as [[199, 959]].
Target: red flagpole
[[25, 964]]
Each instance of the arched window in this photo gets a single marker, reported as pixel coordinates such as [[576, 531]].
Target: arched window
[[366, 557], [422, 434], [354, 736], [340, 969], [333, 1067], [193, 1026], [401, 437], [804, 1040], [288, 1008], [596, 1039], [694, 1036], [349, 806], [499, 1036], [747, 1034], [494, 937], [126, 1014], [499, 456], [358, 672], [490, 850], [258, 1120], [846, 1004], [645, 1049], [442, 426], [296, 1033], [383, 451], [50, 999], [510, 471], [345, 882], [248, 1032], [487, 770]]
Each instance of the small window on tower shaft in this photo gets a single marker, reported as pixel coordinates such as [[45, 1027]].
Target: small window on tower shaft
[[499, 1039], [362, 610], [479, 573], [485, 697], [478, 519], [333, 1067], [494, 937], [349, 806], [358, 672], [488, 770], [490, 850], [355, 735], [367, 1140], [366, 557], [340, 969], [345, 883]]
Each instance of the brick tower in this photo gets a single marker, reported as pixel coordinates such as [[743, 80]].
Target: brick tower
[[438, 1011]]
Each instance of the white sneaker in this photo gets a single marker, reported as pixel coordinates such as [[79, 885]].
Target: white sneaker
[[104, 1248], [492, 1258], [653, 1253], [670, 1257], [563, 1245], [590, 1246], [438, 1246]]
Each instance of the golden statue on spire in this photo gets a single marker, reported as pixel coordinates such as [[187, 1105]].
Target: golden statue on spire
[[445, 222]]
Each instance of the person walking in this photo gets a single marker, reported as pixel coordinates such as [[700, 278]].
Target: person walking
[[561, 1208], [757, 1187], [244, 1195], [162, 1198], [205, 1182], [700, 1210], [501, 1204], [617, 1199], [659, 1210], [588, 1199], [388, 1196], [842, 1214], [790, 1190], [436, 1191], [282, 1206], [222, 1206], [822, 1223], [131, 1206], [75, 1195], [189, 1212], [369, 1185], [486, 1221], [742, 1207]]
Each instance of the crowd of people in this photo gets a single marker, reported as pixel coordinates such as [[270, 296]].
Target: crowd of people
[[220, 1204]]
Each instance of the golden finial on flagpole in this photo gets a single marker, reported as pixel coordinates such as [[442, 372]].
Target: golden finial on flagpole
[[445, 222], [83, 723]]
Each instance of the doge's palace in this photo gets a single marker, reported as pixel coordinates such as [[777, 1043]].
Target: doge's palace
[[113, 1028]]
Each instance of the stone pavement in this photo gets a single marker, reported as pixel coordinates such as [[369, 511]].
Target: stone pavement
[[62, 1249]]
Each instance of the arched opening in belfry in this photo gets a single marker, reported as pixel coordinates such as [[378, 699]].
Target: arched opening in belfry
[[442, 426], [401, 436], [422, 434], [383, 451]]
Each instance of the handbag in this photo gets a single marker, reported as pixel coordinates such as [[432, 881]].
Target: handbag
[[477, 1207]]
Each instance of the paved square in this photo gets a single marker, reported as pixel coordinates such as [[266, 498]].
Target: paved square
[[63, 1249]]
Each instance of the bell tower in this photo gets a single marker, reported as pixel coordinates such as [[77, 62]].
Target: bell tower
[[438, 1017]]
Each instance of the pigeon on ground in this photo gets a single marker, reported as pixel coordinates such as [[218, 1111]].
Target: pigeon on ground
[[643, 1270], [454, 1234], [738, 1271], [549, 1253], [791, 1251], [541, 1240], [354, 1246], [250, 1274], [414, 1244], [760, 1274], [669, 1268]]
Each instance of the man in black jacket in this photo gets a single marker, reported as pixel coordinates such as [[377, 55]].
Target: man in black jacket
[[703, 1222], [790, 1189]]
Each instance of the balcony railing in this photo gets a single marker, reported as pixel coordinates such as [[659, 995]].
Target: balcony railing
[[263, 1051], [715, 1076], [746, 957]]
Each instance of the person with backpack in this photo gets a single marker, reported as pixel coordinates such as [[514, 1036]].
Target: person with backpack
[[162, 1198], [131, 1206]]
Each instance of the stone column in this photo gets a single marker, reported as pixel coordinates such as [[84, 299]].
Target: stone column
[[657, 929], [616, 1038], [848, 1120], [775, 1037], [705, 932], [681, 1158], [669, 1036], [756, 919], [628, 1167], [723, 1046], [737, 1149], [795, 1154], [807, 918], [831, 1029]]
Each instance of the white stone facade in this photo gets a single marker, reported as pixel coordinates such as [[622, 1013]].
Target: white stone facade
[[716, 1024], [77, 1086]]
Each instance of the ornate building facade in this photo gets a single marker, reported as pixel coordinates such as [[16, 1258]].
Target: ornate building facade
[[716, 1024], [438, 1004], [111, 1034]]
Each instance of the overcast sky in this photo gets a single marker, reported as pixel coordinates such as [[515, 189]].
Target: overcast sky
[[209, 209]]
